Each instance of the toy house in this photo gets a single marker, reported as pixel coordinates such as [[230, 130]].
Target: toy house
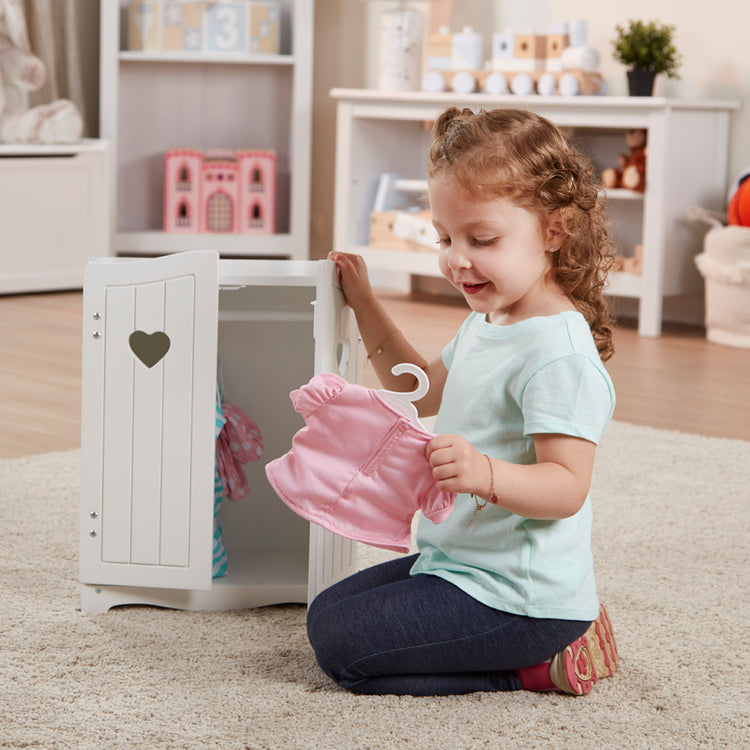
[[220, 191]]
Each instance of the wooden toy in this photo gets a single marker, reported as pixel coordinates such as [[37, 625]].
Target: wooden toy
[[399, 220], [144, 26], [530, 52], [264, 27], [219, 191], [466, 50], [234, 27], [182, 28], [440, 50], [556, 43], [503, 49], [226, 27], [523, 64], [582, 82]]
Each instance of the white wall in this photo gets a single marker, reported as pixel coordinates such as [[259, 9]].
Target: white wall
[[713, 39]]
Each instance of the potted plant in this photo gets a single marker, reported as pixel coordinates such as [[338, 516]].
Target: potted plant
[[647, 48]]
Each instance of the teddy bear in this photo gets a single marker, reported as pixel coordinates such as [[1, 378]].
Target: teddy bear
[[631, 170], [21, 72]]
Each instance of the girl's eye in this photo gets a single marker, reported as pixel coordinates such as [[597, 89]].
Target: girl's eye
[[444, 241], [485, 242]]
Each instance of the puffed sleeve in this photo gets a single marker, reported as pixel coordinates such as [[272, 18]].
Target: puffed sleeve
[[320, 390], [437, 505]]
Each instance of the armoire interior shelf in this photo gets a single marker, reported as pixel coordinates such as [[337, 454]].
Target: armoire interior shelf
[[147, 432], [151, 101], [388, 132]]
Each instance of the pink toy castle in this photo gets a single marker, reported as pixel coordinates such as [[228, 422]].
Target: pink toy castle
[[219, 190]]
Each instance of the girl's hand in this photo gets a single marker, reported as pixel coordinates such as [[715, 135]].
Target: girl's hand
[[457, 466], [355, 282]]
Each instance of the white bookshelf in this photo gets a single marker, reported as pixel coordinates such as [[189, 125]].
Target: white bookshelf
[[152, 101]]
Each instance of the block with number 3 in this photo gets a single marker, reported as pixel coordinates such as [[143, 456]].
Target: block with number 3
[[226, 27]]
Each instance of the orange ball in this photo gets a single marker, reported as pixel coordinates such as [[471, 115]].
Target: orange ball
[[739, 207]]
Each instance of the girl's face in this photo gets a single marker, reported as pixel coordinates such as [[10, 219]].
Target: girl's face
[[496, 254]]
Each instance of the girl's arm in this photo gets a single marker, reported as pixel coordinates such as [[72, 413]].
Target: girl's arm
[[384, 343], [554, 487]]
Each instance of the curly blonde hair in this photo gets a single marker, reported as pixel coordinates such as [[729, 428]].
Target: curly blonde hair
[[518, 156]]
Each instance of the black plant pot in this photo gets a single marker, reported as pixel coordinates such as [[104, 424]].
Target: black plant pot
[[641, 82]]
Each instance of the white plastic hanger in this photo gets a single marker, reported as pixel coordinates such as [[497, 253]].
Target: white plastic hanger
[[402, 401]]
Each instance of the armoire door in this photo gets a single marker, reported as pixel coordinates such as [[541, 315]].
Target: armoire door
[[147, 432], [332, 557]]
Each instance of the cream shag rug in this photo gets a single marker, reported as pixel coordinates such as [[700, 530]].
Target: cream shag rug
[[671, 543]]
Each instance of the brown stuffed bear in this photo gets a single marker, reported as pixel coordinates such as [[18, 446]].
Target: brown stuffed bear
[[631, 172]]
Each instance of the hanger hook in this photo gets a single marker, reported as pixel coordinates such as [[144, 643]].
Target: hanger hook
[[423, 382]]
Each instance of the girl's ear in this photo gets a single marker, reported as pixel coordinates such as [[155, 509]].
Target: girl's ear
[[554, 235]]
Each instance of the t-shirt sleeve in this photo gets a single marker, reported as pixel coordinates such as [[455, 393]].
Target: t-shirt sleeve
[[569, 396]]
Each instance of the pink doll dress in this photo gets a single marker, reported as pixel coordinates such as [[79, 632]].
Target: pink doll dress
[[358, 466]]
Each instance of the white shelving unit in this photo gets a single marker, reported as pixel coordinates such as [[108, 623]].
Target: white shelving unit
[[147, 430], [152, 101], [379, 132]]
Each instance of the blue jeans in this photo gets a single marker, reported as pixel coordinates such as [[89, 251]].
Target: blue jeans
[[382, 631]]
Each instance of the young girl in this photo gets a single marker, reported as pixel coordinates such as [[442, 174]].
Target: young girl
[[502, 594]]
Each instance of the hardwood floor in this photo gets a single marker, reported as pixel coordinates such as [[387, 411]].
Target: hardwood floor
[[679, 381]]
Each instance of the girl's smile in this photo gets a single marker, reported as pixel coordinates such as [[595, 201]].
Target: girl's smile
[[473, 288]]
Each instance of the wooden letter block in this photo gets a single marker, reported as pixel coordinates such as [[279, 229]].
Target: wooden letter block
[[226, 27], [264, 27], [183, 26], [143, 26]]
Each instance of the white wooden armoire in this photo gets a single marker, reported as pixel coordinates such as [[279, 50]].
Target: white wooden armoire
[[148, 415]]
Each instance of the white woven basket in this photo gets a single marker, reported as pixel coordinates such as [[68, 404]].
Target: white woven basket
[[725, 266]]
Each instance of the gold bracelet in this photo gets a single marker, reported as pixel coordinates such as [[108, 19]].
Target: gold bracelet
[[493, 498], [379, 349]]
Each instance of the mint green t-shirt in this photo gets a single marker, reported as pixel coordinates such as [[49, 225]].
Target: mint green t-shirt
[[504, 385]]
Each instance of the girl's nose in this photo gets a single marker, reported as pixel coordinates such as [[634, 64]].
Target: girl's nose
[[457, 257]]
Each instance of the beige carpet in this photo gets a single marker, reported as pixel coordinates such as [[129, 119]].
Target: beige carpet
[[671, 541]]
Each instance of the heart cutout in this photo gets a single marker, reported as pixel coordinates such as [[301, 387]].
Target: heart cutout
[[150, 348]]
